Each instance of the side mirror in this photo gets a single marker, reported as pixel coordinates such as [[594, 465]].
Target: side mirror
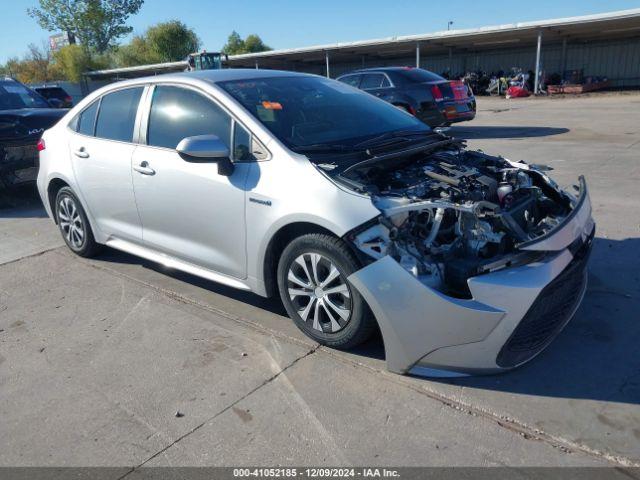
[[206, 149]]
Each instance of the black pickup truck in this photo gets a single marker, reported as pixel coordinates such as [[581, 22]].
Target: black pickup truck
[[24, 115]]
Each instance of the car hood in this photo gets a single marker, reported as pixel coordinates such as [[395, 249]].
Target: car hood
[[28, 123]]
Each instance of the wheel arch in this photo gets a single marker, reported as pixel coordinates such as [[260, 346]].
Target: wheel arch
[[278, 242], [53, 187]]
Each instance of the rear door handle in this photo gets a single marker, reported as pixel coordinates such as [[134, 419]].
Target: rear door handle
[[81, 152], [144, 169]]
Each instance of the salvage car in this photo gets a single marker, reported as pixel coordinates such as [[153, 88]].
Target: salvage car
[[55, 94], [24, 115], [356, 214], [431, 98]]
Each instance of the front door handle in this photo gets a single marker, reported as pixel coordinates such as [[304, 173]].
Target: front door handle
[[144, 169], [81, 152]]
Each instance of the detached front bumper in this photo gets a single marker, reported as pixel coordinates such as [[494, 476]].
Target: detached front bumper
[[512, 316]]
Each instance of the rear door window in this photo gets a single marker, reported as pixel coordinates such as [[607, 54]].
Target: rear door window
[[87, 119], [372, 80], [178, 113], [353, 80], [117, 115]]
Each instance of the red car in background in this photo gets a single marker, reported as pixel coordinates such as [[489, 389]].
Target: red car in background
[[431, 98]]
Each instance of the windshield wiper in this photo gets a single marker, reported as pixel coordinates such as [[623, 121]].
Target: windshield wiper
[[396, 135], [325, 147]]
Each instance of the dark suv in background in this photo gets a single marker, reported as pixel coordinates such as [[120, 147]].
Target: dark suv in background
[[434, 100], [55, 92], [24, 115]]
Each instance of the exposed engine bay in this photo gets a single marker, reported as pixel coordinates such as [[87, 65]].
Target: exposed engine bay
[[451, 214]]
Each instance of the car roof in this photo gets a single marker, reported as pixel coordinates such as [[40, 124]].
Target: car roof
[[208, 76], [216, 76], [382, 69]]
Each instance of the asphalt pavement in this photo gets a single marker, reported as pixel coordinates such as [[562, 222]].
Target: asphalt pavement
[[116, 361]]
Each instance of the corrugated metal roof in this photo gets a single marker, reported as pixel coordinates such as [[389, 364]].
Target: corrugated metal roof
[[452, 34], [487, 36]]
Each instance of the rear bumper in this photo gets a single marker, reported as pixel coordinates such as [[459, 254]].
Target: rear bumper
[[512, 316], [459, 110], [446, 113]]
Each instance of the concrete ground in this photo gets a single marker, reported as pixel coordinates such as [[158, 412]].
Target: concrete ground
[[97, 357]]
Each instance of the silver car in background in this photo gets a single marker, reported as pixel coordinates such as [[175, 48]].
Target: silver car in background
[[357, 214]]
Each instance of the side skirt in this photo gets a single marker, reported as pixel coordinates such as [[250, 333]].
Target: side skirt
[[172, 262]]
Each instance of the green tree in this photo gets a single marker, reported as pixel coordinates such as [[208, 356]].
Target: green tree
[[171, 41], [253, 44], [236, 45], [134, 53], [36, 66], [73, 60], [165, 42], [96, 23]]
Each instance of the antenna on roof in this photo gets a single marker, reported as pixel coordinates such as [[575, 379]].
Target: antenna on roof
[[449, 23]]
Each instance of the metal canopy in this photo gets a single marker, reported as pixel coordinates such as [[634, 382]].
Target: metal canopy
[[607, 26]]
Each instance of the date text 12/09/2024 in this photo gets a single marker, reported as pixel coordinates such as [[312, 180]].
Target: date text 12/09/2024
[[315, 472]]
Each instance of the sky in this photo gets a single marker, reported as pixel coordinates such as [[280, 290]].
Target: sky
[[298, 23]]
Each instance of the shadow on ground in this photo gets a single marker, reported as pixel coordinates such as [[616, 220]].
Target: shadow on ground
[[21, 202], [469, 132], [596, 355]]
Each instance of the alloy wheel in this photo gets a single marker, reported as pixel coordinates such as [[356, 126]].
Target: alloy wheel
[[71, 222], [319, 292]]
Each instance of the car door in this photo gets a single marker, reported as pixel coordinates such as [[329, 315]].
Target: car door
[[101, 149], [376, 84], [189, 211]]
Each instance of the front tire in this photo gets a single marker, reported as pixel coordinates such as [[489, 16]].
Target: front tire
[[74, 225], [312, 280]]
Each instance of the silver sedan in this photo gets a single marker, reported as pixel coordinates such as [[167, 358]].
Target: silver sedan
[[352, 211]]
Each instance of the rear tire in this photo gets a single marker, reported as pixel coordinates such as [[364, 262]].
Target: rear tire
[[74, 225], [312, 280]]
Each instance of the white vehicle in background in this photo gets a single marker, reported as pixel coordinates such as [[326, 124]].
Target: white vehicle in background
[[355, 213]]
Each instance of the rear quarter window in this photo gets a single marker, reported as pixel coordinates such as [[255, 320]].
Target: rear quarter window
[[85, 122]]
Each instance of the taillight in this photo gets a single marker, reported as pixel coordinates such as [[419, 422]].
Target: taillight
[[437, 94], [68, 99], [459, 88], [41, 145]]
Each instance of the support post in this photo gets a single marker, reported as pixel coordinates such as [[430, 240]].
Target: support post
[[536, 84], [326, 60], [450, 61], [257, 65], [418, 55]]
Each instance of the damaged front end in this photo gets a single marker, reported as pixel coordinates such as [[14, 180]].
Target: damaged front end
[[462, 255]]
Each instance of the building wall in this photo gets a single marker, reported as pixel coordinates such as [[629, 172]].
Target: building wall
[[617, 60]]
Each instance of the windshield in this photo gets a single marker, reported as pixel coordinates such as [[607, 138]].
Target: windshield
[[14, 95], [314, 111]]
